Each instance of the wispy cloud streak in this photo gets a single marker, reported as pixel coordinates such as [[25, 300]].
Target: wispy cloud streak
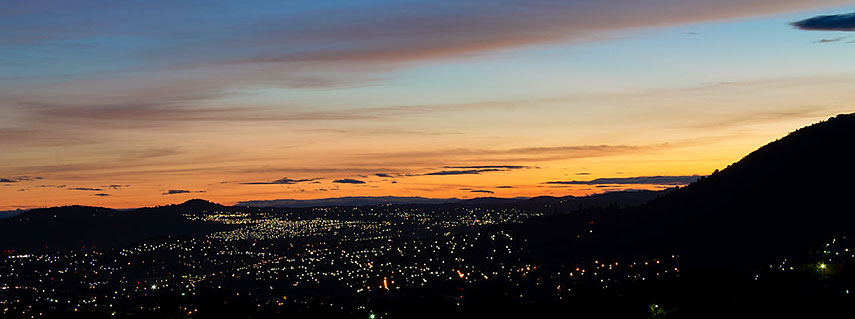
[[651, 180]]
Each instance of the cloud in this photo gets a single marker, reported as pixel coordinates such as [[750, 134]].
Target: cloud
[[283, 180], [475, 169], [652, 180], [504, 187], [180, 191], [836, 22], [830, 40], [524, 154], [91, 189], [409, 32], [489, 166], [766, 116], [158, 114], [392, 175], [52, 186], [465, 172], [348, 181], [291, 46], [18, 179], [176, 191], [101, 194], [482, 191]]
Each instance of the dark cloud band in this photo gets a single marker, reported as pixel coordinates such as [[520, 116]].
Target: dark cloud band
[[836, 22], [348, 181], [281, 181]]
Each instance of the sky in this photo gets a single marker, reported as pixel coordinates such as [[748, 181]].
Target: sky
[[140, 103]]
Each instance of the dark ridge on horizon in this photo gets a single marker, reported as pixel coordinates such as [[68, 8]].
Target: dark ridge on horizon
[[394, 200], [74, 226], [328, 202]]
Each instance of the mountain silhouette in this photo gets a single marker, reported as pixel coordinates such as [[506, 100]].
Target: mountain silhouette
[[788, 197], [78, 226], [620, 198], [346, 201]]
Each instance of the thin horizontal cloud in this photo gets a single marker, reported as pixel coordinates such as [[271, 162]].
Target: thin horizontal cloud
[[651, 180], [284, 180], [765, 116], [179, 191], [504, 186], [465, 172], [348, 181], [482, 191], [830, 40], [52, 186], [18, 179], [89, 189], [835, 22], [160, 114], [101, 194], [526, 154], [488, 167]]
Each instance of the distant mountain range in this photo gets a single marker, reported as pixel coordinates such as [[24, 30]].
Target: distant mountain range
[[621, 198], [77, 226], [346, 201]]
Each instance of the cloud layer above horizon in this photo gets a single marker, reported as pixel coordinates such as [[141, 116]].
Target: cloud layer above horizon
[[271, 99]]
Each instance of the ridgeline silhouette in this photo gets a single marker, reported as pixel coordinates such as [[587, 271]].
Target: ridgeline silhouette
[[76, 226], [788, 197]]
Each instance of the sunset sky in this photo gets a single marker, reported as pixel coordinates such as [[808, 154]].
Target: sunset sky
[[139, 103]]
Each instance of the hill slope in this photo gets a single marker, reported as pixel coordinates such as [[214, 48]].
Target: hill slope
[[788, 197], [76, 226]]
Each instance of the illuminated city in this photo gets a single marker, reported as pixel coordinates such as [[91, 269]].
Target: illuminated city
[[411, 159]]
